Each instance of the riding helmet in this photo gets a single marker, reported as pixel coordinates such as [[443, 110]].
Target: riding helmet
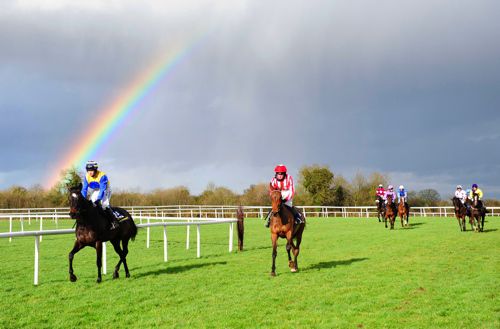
[[280, 168], [91, 165], [474, 185]]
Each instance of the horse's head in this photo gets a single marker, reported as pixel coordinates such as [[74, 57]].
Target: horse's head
[[389, 199], [76, 201], [456, 203], [239, 213], [475, 199], [275, 200]]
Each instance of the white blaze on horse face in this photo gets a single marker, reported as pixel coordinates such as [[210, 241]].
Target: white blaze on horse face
[[74, 195]]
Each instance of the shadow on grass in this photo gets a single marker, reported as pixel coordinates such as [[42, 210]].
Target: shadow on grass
[[177, 269], [334, 263], [490, 230]]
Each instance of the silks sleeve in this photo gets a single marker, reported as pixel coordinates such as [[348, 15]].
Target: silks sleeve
[[85, 187], [103, 185]]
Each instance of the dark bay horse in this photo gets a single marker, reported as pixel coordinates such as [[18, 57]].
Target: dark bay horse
[[92, 229], [460, 212], [390, 212], [477, 214], [283, 225], [380, 208], [403, 212]]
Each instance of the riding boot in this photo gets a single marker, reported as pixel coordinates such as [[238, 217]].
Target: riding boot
[[111, 218], [297, 215], [268, 218]]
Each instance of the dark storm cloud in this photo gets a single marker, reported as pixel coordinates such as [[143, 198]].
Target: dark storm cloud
[[405, 87]]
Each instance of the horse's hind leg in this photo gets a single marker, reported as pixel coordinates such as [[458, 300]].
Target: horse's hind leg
[[119, 251], [125, 253], [77, 247]]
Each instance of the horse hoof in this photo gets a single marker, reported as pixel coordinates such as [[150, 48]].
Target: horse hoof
[[116, 275], [293, 270], [273, 273], [127, 275], [99, 280], [72, 278]]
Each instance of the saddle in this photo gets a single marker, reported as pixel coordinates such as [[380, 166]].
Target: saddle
[[119, 215]]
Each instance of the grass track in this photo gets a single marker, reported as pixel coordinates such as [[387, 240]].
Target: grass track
[[354, 273]]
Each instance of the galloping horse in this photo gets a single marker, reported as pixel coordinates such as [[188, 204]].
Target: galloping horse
[[283, 225], [403, 212], [477, 214], [380, 208], [92, 230], [389, 212], [460, 212]]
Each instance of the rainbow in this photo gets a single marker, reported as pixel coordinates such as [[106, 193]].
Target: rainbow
[[114, 115]]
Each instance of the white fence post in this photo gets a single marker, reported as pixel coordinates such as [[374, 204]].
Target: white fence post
[[37, 250], [188, 229], [231, 237], [198, 241], [147, 235], [165, 243], [104, 259], [41, 227], [10, 227]]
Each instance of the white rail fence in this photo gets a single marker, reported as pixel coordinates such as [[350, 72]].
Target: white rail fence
[[165, 222], [207, 212]]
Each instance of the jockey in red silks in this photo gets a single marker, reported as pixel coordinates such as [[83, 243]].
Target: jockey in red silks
[[380, 192], [284, 182]]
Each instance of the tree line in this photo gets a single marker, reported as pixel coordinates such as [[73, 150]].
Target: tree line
[[315, 185]]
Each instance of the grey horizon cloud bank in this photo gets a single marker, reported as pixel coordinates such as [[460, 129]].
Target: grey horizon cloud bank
[[409, 88]]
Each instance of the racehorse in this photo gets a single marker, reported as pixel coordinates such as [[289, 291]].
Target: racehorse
[[380, 208], [92, 230], [241, 228], [283, 225], [477, 214], [403, 212], [389, 212], [460, 212]]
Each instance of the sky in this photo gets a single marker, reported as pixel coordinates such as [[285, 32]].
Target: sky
[[406, 88]]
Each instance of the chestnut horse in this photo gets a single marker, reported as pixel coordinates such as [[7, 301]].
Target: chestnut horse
[[92, 229], [460, 212], [283, 225], [390, 212], [403, 212]]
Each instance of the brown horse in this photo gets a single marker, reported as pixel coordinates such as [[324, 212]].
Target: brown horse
[[403, 212], [477, 214], [92, 229], [241, 227], [390, 212], [380, 208], [283, 226], [460, 212]]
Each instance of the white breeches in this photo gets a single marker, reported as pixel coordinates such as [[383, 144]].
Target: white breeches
[[105, 199]]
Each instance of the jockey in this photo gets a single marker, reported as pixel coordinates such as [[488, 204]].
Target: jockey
[[284, 182], [390, 191], [476, 190], [460, 194], [380, 192], [402, 194], [96, 182]]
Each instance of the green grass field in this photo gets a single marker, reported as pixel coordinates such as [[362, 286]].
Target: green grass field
[[353, 273]]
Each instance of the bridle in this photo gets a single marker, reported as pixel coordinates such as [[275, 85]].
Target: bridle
[[274, 213]]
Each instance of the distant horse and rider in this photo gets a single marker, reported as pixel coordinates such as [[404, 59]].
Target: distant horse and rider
[[390, 212], [283, 225], [460, 212], [93, 228], [404, 212]]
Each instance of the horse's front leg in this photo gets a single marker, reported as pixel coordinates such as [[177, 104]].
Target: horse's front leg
[[288, 248], [118, 250], [274, 239], [98, 249], [72, 253]]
